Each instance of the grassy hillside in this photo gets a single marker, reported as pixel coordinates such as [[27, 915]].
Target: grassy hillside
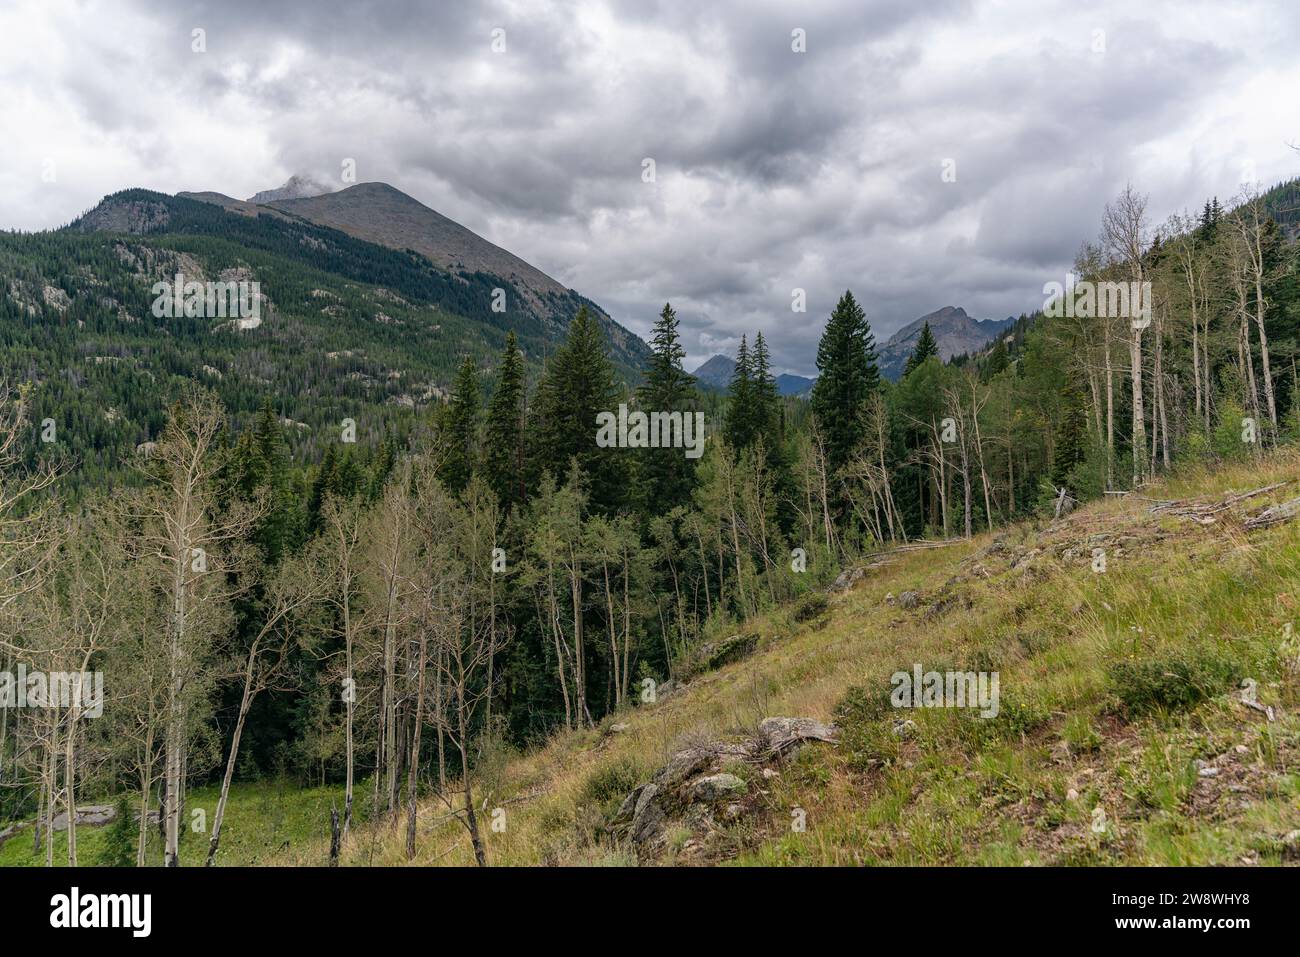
[[1119, 691]]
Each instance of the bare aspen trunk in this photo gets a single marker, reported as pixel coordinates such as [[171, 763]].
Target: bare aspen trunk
[[1110, 413], [245, 702], [1139, 414], [414, 768], [627, 623], [350, 702], [613, 636], [441, 707], [579, 651], [471, 820]]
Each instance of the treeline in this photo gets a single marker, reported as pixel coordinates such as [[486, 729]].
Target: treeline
[[390, 618]]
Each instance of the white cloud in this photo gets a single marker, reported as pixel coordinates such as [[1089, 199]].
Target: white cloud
[[775, 169]]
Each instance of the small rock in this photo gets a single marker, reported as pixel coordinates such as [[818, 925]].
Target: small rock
[[847, 579], [1072, 795], [904, 729], [909, 599], [619, 728], [770, 773], [1241, 749], [1291, 844], [717, 786], [1208, 772], [733, 812]]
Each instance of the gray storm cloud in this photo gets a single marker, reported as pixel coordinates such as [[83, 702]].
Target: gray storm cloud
[[774, 169]]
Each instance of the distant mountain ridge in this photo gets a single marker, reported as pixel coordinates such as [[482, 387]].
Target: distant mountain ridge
[[955, 333], [716, 372]]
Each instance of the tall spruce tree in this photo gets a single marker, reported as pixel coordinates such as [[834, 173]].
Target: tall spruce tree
[[738, 427], [503, 464], [1069, 449], [766, 396], [848, 375], [462, 428], [269, 471], [925, 347], [577, 385], [667, 473]]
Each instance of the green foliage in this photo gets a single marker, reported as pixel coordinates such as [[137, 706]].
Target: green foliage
[[577, 385], [119, 845], [866, 734], [462, 450], [609, 783], [848, 375], [505, 445], [667, 474], [811, 606], [1172, 683], [925, 348]]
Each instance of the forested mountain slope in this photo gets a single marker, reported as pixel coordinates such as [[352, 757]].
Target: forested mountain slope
[[349, 330]]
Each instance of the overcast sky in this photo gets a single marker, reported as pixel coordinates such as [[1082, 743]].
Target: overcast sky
[[774, 169]]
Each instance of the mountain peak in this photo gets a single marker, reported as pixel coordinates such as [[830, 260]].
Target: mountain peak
[[298, 186], [955, 332]]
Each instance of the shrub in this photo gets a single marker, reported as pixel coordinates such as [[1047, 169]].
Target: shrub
[[120, 842], [810, 606], [611, 782], [1015, 719], [1174, 683], [865, 736], [861, 704], [1080, 735]]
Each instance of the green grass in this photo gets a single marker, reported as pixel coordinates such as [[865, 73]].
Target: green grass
[[264, 821]]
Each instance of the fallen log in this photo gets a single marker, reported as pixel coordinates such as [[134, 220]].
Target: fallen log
[[1274, 515], [1206, 513]]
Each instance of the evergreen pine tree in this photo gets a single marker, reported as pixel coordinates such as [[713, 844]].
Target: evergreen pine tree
[[667, 388], [848, 375], [381, 465], [738, 427], [767, 398], [322, 487], [579, 384], [925, 347], [1071, 437], [504, 452], [120, 841], [462, 428], [997, 361], [270, 472]]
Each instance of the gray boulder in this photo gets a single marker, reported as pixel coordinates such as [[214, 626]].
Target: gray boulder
[[715, 787]]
